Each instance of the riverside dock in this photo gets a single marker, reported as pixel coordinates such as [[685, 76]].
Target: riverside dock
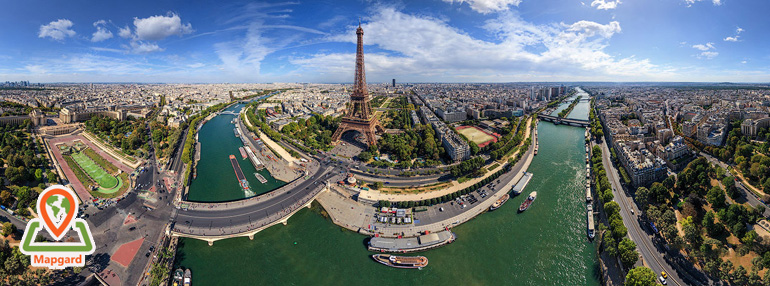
[[519, 187], [411, 244]]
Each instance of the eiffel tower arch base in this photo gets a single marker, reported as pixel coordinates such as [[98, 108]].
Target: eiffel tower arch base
[[368, 129]]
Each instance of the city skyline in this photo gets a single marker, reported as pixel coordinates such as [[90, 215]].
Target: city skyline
[[491, 41]]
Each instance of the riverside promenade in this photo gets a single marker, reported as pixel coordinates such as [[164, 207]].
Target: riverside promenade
[[347, 213], [374, 196]]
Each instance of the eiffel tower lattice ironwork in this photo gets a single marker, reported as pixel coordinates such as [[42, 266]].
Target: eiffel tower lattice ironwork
[[359, 116]]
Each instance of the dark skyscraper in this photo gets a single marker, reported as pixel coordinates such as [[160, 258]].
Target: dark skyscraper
[[394, 82]]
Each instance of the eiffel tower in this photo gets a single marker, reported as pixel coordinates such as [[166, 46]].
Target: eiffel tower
[[359, 116]]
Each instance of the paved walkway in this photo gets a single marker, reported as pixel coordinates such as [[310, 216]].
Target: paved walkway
[[373, 195], [277, 148]]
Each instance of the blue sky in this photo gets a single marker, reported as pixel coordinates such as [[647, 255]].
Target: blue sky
[[412, 41]]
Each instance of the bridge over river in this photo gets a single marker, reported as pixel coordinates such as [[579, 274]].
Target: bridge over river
[[246, 217], [566, 121]]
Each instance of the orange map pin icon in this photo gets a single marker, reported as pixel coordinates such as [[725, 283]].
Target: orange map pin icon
[[54, 223]]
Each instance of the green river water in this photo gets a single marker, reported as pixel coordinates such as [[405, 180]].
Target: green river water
[[216, 179], [546, 245]]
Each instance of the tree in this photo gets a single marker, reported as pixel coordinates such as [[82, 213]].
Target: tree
[[4, 196], [642, 197], [749, 238], [611, 208], [378, 185], [627, 251], [739, 276], [640, 276], [8, 228], [716, 197], [39, 175], [692, 234], [713, 229], [52, 177], [727, 267], [610, 245]]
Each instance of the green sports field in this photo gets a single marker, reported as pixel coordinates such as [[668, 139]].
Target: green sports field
[[105, 180], [475, 135]]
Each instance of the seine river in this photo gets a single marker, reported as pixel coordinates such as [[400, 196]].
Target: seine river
[[546, 245], [216, 179]]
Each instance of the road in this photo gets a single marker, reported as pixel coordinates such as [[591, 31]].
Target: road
[[654, 259], [239, 216]]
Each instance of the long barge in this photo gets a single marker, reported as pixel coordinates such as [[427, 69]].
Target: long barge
[[519, 187], [254, 161], [239, 174], [411, 244], [590, 231]]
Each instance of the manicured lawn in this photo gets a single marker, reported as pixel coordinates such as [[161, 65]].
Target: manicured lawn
[[79, 173], [122, 187], [104, 179], [101, 161]]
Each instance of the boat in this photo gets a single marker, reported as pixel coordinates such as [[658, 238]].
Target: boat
[[187, 277], [519, 187], [499, 202], [260, 178], [235, 130], [401, 261], [243, 153], [590, 221], [178, 276], [528, 202]]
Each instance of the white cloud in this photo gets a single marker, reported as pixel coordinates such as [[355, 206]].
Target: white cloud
[[436, 51], [196, 65], [592, 28], [57, 30], [140, 47], [709, 55], [690, 2], [125, 32], [242, 58], [707, 51], [702, 47], [101, 33], [154, 28], [487, 6], [743, 62], [605, 5], [737, 36], [158, 27]]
